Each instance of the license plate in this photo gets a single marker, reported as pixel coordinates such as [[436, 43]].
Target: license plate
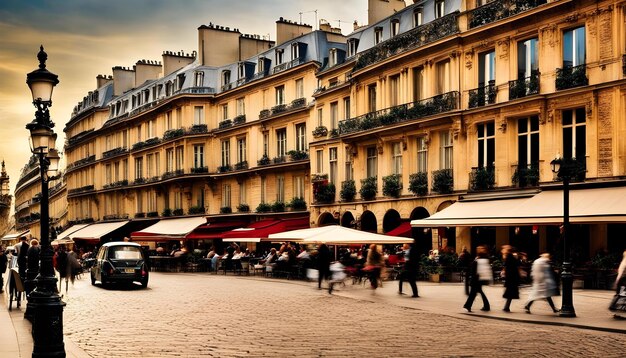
[[129, 270]]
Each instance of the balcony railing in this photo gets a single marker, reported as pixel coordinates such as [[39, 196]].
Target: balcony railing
[[227, 123], [198, 90], [146, 143], [571, 76], [241, 165], [524, 86], [114, 152], [79, 136], [81, 189], [115, 217], [484, 95], [89, 159], [482, 178], [199, 170], [281, 108], [173, 174], [417, 37], [498, 10], [225, 168], [173, 133], [404, 112], [240, 119], [288, 65], [526, 175], [198, 129], [116, 184]]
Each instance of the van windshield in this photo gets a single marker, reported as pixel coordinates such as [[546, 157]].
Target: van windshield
[[125, 253]]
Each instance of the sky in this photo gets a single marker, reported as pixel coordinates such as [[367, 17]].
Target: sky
[[85, 38]]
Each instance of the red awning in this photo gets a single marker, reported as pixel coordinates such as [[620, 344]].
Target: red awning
[[261, 229], [403, 230], [214, 230]]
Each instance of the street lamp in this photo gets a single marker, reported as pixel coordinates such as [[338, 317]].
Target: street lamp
[[563, 168], [44, 301]]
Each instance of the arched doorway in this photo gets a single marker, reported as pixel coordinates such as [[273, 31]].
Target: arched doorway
[[369, 222], [391, 220], [347, 220], [326, 219], [422, 235]]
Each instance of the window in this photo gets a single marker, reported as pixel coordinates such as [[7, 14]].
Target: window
[[117, 171], [418, 17], [241, 71], [443, 77], [242, 193], [280, 188], [225, 78], [200, 198], [295, 51], [418, 83], [334, 113], [149, 165], [332, 175], [301, 137], [226, 195], [394, 90], [263, 189], [198, 79], [266, 142], [225, 153], [346, 108], [332, 57], [241, 150], [225, 111], [261, 65], [198, 115], [422, 155], [349, 169], [299, 88], [527, 141], [353, 45], [574, 134], [180, 157], [527, 58], [139, 208], [320, 117], [125, 169], [395, 27], [372, 162], [178, 200], [378, 35], [486, 145], [179, 117], [446, 150], [279, 56], [298, 187], [440, 8], [169, 157], [319, 161], [168, 120], [138, 168], [151, 128], [198, 156], [108, 176], [157, 163], [281, 141], [152, 201], [486, 68], [396, 158], [241, 107], [280, 95], [371, 98], [574, 47]]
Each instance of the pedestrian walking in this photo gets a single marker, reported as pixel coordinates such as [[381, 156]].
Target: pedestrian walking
[[337, 275], [465, 262], [373, 265], [61, 266], [480, 274], [33, 266], [511, 276], [411, 269], [3, 267], [544, 284], [618, 304], [22, 255], [323, 264]]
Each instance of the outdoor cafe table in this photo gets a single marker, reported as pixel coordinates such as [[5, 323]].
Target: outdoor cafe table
[[163, 263]]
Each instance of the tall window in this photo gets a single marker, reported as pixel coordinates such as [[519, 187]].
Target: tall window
[[199, 79], [151, 129], [150, 165], [372, 162], [334, 113], [152, 201], [198, 156], [178, 200], [394, 90], [241, 71], [169, 124], [198, 115], [320, 117], [266, 143], [138, 168], [298, 186], [225, 153], [422, 155], [371, 98], [280, 188], [486, 68], [157, 163], [179, 117], [527, 141], [241, 107], [527, 57], [281, 142], [446, 150], [226, 196], [242, 192], [486, 145], [346, 108], [225, 78], [225, 111], [200, 198], [241, 150], [353, 45], [125, 169], [440, 8], [319, 161], [418, 17], [108, 174], [395, 27], [180, 157], [299, 88], [139, 208], [574, 47], [396, 158], [575, 134], [443, 77], [301, 137], [349, 168], [280, 95], [332, 156], [261, 65], [418, 83], [279, 56], [378, 35], [295, 51], [263, 190]]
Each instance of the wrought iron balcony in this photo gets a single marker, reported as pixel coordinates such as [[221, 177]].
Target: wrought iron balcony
[[146, 143], [524, 86], [571, 76], [173, 174], [241, 165], [114, 152], [224, 168], [500, 9], [526, 175], [198, 90], [288, 65], [199, 170], [225, 124], [198, 129], [240, 119], [89, 159], [482, 178], [81, 189], [484, 95], [404, 112], [173, 133]]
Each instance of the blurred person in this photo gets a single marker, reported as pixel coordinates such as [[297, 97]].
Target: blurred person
[[480, 274], [544, 286], [511, 276], [323, 264], [465, 262], [22, 257], [374, 264], [33, 265], [411, 268], [3, 267], [618, 304], [337, 275], [61, 266]]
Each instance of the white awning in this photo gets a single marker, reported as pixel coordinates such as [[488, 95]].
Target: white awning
[[96, 231], [169, 229], [70, 230], [243, 239], [599, 205], [335, 234], [14, 236]]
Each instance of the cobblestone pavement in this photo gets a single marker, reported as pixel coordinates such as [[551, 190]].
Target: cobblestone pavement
[[205, 315]]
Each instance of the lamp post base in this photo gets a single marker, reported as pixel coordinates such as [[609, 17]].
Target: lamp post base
[[567, 281], [47, 309]]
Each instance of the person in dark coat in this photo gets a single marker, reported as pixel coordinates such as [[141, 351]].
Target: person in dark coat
[[62, 267], [511, 276], [22, 255], [3, 267], [323, 264], [479, 276], [33, 265], [410, 270]]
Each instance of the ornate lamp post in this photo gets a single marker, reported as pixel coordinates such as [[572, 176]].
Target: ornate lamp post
[[45, 302], [563, 169]]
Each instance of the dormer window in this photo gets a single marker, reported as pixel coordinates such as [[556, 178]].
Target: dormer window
[[198, 79], [440, 8], [395, 27], [180, 80], [353, 45], [279, 56], [295, 51], [241, 71], [261, 65], [225, 77], [418, 17], [378, 35], [332, 57]]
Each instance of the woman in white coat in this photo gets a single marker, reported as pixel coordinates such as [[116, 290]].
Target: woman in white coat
[[544, 285]]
